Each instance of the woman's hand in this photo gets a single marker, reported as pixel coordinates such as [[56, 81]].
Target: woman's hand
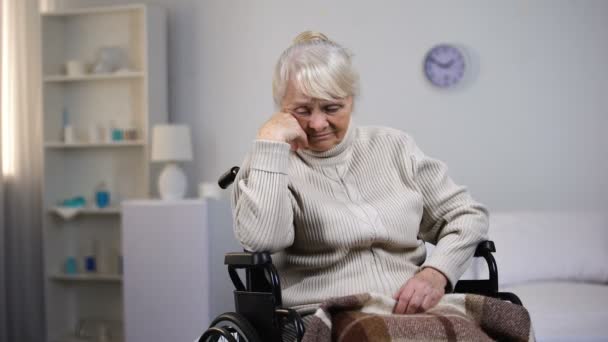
[[421, 292], [284, 127]]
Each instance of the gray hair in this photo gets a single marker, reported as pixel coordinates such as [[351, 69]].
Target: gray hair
[[319, 67]]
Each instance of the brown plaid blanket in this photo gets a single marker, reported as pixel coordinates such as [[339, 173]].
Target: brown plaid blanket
[[457, 317]]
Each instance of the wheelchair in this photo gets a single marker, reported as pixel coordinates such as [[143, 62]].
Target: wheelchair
[[259, 314]]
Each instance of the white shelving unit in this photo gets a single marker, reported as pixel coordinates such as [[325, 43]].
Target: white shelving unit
[[136, 98]]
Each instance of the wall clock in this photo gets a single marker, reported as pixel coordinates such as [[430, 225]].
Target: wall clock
[[445, 65]]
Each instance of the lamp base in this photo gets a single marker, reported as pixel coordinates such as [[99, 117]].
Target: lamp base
[[172, 182]]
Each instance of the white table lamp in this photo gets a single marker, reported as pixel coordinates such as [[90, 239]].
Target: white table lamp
[[171, 144]]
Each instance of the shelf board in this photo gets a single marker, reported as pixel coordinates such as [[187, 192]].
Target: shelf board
[[92, 10], [90, 211], [58, 144], [94, 77], [115, 278], [104, 211]]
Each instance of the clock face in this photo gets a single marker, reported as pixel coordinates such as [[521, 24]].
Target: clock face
[[444, 66]]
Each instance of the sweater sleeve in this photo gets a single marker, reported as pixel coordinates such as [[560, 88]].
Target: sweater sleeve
[[261, 201], [451, 219]]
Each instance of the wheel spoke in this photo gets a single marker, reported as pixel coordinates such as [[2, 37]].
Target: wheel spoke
[[231, 327]]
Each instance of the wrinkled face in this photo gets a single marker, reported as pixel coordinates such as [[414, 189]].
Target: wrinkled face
[[325, 122]]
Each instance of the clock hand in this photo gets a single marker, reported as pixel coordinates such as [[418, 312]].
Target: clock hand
[[441, 65], [434, 61]]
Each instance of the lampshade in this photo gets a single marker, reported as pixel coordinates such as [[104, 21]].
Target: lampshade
[[171, 143]]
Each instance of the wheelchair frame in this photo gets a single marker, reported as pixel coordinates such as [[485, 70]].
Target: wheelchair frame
[[258, 301]]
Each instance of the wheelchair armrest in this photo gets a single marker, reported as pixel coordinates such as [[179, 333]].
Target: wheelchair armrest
[[486, 286], [247, 259], [485, 248]]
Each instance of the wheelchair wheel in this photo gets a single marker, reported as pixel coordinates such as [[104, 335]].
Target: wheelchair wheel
[[235, 324]]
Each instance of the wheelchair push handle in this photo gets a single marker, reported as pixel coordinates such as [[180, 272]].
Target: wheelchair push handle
[[228, 177]]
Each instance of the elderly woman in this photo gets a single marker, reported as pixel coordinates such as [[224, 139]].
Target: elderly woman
[[348, 208]]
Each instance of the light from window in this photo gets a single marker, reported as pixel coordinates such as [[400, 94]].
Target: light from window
[[7, 110]]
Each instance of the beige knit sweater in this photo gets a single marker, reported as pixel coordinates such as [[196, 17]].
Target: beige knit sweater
[[354, 219]]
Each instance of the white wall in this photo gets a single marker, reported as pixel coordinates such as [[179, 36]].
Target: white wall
[[527, 133]]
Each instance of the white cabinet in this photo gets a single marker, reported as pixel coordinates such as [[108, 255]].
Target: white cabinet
[[110, 114], [174, 277]]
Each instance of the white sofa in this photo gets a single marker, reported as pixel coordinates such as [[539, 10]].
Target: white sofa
[[557, 263]]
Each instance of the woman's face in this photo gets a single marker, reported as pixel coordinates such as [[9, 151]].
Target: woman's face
[[325, 122]]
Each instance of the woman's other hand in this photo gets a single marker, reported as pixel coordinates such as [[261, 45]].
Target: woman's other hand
[[421, 292], [284, 127]]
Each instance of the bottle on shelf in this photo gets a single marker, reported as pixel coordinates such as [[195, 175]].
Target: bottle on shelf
[[90, 256], [116, 133], [102, 196], [70, 265], [130, 132], [69, 136]]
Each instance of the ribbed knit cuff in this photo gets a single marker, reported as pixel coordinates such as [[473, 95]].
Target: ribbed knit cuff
[[271, 156]]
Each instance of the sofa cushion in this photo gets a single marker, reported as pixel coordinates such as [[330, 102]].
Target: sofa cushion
[[534, 246]]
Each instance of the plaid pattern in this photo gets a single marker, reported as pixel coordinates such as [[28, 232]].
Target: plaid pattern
[[457, 317]]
